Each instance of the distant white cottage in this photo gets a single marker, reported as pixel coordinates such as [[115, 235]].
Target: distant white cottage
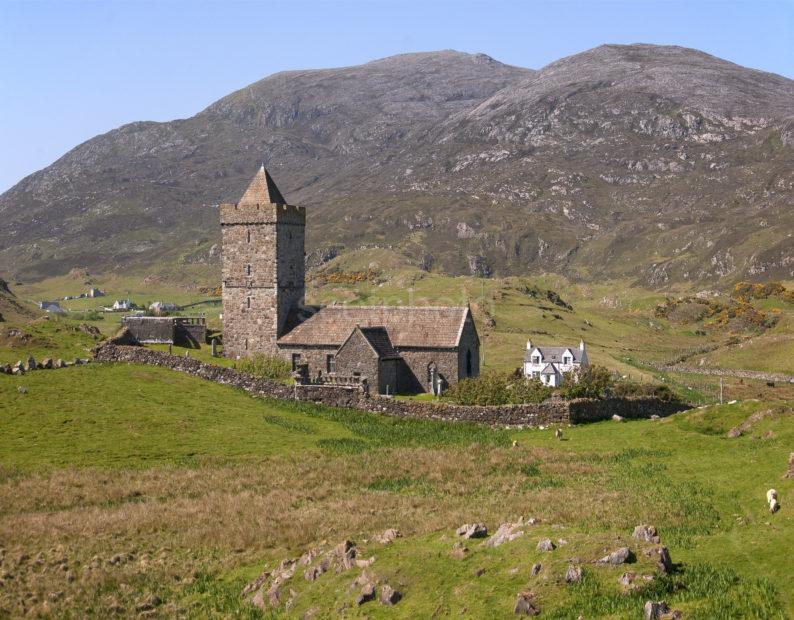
[[551, 364], [121, 304]]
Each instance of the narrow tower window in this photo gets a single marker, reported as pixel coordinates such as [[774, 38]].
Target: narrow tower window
[[248, 302], [248, 236], [248, 270], [246, 344]]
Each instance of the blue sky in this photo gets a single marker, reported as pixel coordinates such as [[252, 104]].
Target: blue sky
[[71, 69]]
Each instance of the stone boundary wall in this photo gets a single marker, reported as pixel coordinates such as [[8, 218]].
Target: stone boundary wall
[[550, 412], [726, 372]]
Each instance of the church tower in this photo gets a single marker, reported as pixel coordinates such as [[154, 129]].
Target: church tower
[[262, 269]]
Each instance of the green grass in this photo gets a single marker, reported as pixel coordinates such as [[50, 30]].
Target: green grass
[[704, 491], [125, 416]]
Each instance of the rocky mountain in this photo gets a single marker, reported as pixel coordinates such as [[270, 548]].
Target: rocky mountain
[[659, 164]]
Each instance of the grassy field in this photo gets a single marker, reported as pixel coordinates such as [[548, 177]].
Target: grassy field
[[121, 482]]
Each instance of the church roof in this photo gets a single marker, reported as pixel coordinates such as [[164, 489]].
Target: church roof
[[406, 326], [378, 339], [262, 190]]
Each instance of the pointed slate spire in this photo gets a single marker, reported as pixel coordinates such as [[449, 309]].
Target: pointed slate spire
[[262, 190]]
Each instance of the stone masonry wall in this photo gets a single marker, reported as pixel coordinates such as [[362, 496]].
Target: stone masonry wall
[[357, 356], [550, 412]]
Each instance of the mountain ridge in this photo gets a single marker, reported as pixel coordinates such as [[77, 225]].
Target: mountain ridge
[[460, 162]]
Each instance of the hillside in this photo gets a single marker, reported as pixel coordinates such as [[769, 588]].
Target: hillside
[[661, 165]]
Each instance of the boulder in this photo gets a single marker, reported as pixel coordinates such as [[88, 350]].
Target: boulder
[[59, 363], [18, 368], [663, 561], [46, 363], [77, 362], [389, 596], [387, 537], [311, 573], [646, 533], [367, 594], [619, 556], [618, 418], [655, 609], [344, 555], [545, 544], [472, 530], [5, 369], [626, 579], [525, 605], [507, 532], [535, 569], [573, 574], [30, 364], [258, 599], [22, 389]]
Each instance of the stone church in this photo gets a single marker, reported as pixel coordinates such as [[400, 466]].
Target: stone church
[[398, 349]]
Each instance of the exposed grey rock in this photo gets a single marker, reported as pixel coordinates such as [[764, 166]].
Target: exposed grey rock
[[389, 596], [655, 609], [535, 569], [46, 363], [22, 389], [545, 544], [626, 579], [507, 532], [619, 556], [344, 555], [646, 533], [311, 573], [367, 594], [472, 530], [573, 574], [618, 418], [30, 364], [389, 536], [525, 605]]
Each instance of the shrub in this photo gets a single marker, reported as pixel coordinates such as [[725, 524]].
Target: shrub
[[496, 388], [265, 366], [590, 382], [88, 315]]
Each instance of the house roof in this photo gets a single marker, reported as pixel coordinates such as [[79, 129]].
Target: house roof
[[262, 190], [406, 326], [553, 354], [549, 370]]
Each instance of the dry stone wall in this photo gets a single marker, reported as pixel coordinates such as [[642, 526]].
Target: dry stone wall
[[550, 412]]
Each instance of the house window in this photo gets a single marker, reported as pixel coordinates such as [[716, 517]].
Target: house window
[[330, 363], [566, 360], [296, 361], [248, 270], [468, 363], [536, 359]]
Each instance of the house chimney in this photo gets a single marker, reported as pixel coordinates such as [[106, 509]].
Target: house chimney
[[529, 345], [581, 345]]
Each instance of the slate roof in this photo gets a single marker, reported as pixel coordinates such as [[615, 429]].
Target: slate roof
[[406, 326], [379, 340], [262, 190], [553, 354], [549, 370]]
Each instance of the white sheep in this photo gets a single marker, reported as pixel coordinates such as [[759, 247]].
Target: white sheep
[[558, 433], [771, 499]]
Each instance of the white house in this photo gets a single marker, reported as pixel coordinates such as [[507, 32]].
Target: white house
[[551, 364], [122, 304]]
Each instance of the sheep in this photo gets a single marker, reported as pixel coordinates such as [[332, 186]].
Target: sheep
[[558, 433], [771, 499]]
